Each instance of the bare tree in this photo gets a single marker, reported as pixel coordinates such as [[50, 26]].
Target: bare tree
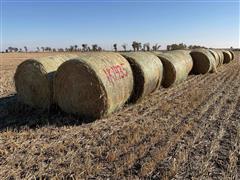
[[146, 47], [156, 47], [124, 46], [94, 47], [139, 46], [115, 47], [43, 49], [38, 49], [75, 47], [10, 49], [134, 45], [84, 47], [25, 48]]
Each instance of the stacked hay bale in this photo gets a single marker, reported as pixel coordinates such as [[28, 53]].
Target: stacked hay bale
[[147, 72], [176, 66], [203, 61], [227, 56], [33, 80], [93, 84]]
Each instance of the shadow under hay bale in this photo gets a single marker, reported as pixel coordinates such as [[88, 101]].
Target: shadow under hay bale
[[93, 84], [16, 115], [147, 73], [203, 61], [33, 80], [176, 66]]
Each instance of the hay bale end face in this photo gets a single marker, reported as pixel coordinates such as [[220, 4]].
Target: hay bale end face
[[176, 66], [203, 61], [93, 85], [33, 80], [147, 72], [227, 56]]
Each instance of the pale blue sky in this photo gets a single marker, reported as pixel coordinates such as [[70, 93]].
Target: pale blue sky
[[64, 23]]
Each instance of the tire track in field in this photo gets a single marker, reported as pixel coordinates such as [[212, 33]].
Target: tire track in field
[[203, 133], [204, 103], [222, 164]]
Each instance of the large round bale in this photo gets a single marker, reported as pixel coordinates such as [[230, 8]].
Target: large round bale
[[227, 56], [184, 55], [203, 61], [33, 80], [176, 66], [93, 84], [216, 57], [147, 73], [233, 55], [220, 54]]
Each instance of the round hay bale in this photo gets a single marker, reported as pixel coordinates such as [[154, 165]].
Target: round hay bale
[[176, 66], [184, 55], [33, 80], [147, 73], [203, 61], [232, 53], [93, 84], [216, 57], [227, 56], [221, 56]]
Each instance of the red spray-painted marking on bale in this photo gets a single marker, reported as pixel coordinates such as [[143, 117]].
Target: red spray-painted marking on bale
[[115, 73]]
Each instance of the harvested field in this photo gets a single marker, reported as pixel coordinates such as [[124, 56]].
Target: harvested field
[[189, 131]]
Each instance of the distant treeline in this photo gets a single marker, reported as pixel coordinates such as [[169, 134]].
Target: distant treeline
[[135, 46]]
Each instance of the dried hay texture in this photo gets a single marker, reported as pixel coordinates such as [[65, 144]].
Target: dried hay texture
[[33, 80], [93, 85], [220, 54], [147, 72], [233, 55], [176, 66], [203, 61], [227, 56], [216, 57]]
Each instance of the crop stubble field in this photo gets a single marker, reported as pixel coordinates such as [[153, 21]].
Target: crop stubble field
[[190, 131]]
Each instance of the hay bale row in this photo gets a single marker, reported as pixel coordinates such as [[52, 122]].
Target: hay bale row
[[33, 80], [93, 85], [177, 65]]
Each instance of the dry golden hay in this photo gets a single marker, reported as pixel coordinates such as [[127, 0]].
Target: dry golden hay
[[227, 56], [176, 66], [203, 61], [33, 80], [147, 73], [220, 54], [233, 55], [93, 84], [216, 57]]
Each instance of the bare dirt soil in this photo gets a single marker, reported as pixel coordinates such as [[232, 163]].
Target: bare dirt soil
[[190, 131]]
